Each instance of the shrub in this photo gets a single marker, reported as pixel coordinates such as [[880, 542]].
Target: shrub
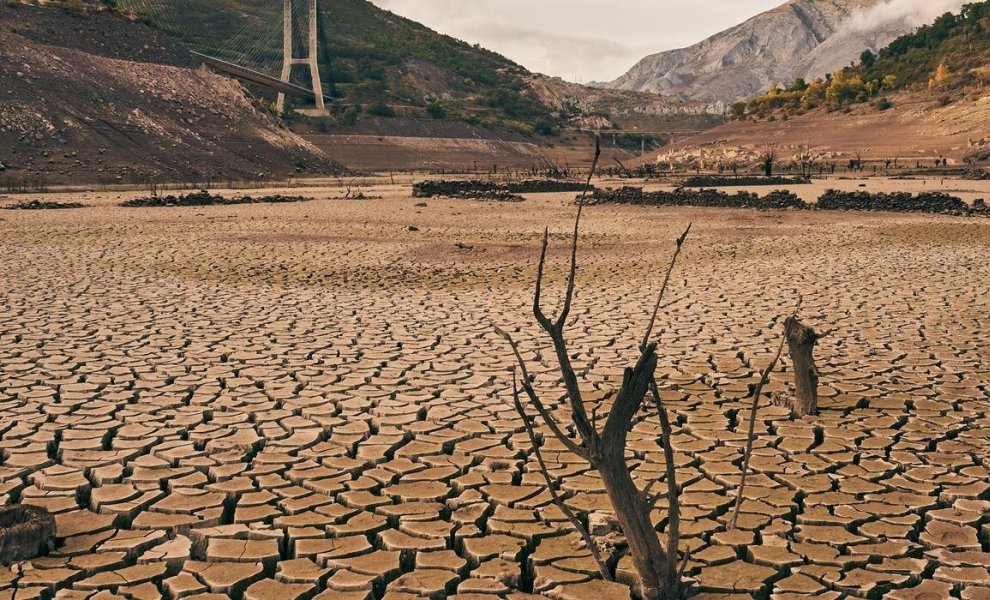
[[75, 7], [350, 116], [380, 109], [436, 110], [546, 128]]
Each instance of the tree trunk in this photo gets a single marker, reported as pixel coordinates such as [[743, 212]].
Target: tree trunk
[[801, 341], [26, 532], [633, 515]]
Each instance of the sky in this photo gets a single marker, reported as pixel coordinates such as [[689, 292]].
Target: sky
[[579, 40]]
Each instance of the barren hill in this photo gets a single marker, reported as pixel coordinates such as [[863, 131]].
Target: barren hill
[[98, 98], [915, 131], [801, 38]]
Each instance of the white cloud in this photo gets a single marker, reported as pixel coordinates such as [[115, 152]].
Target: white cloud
[[913, 12], [579, 39]]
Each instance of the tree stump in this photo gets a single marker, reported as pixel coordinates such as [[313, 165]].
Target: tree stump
[[801, 341], [26, 532]]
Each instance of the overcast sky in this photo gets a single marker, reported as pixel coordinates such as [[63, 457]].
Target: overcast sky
[[579, 40]]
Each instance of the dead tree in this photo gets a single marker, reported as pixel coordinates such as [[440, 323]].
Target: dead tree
[[806, 161], [26, 532], [750, 436], [768, 158], [604, 449], [801, 341]]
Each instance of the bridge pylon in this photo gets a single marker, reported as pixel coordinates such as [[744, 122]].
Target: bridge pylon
[[288, 56]]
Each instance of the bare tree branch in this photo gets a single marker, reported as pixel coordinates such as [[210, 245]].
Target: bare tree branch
[[606, 451], [555, 330], [652, 503], [537, 403], [764, 378], [580, 415], [684, 564], [649, 486], [574, 241], [541, 317], [674, 528], [663, 288], [630, 398], [575, 522]]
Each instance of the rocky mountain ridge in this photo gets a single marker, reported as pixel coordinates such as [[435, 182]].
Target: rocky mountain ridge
[[800, 38]]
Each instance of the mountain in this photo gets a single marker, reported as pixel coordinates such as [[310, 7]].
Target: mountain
[[948, 59], [799, 39], [94, 98], [378, 64], [923, 97], [368, 57], [110, 92]]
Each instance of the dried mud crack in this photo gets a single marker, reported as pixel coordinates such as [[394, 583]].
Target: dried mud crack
[[305, 400]]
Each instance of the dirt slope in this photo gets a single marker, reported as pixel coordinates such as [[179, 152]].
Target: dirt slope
[[917, 128], [97, 98]]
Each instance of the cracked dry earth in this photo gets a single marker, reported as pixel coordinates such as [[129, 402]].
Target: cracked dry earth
[[308, 400]]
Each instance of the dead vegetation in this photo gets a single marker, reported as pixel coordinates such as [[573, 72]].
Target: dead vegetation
[[605, 448], [659, 567]]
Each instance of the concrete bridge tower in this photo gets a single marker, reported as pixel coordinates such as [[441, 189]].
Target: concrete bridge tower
[[289, 60]]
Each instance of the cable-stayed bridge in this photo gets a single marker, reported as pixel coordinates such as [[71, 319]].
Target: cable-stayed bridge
[[258, 41]]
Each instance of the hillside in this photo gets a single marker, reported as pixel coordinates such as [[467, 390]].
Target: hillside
[[949, 58], [958, 41], [377, 64], [917, 130], [799, 39], [96, 98], [370, 58], [923, 98]]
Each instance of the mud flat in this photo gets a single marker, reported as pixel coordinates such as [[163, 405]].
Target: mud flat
[[308, 400]]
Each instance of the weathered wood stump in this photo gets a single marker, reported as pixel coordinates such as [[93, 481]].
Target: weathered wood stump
[[26, 532], [801, 341]]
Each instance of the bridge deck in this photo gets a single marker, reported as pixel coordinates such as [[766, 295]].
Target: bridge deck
[[289, 89]]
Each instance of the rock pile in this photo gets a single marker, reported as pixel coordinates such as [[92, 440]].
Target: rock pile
[[205, 198], [452, 189], [927, 202], [544, 186], [496, 196], [467, 190], [720, 181], [777, 199], [43, 205], [489, 190]]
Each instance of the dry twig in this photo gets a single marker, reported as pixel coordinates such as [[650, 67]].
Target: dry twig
[[764, 378], [605, 450], [575, 522]]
